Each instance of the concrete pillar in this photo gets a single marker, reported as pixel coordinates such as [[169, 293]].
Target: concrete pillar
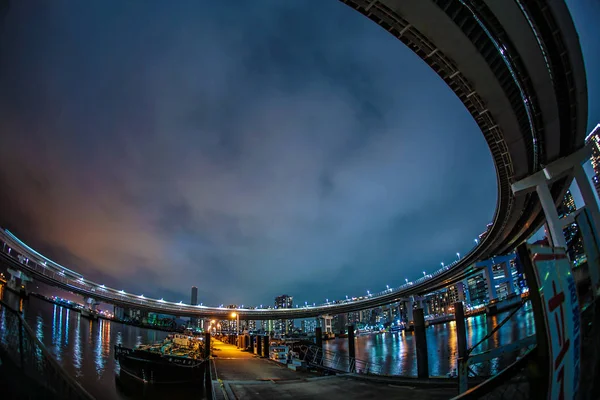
[[351, 349], [265, 346], [554, 224], [461, 330], [421, 344], [91, 303], [18, 280], [258, 348], [461, 339], [409, 310], [319, 337]]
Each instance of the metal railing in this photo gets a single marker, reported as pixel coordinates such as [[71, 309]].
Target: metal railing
[[337, 362], [513, 383], [486, 364], [19, 343]]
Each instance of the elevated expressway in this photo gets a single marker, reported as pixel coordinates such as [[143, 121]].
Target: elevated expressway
[[517, 67]]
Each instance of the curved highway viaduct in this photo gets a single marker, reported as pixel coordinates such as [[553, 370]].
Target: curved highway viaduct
[[517, 67]]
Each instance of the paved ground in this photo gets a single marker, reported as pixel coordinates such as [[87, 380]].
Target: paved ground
[[242, 375], [331, 387], [232, 364]]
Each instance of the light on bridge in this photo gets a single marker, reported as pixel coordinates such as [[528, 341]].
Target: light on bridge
[[141, 296], [162, 300], [122, 291], [458, 255]]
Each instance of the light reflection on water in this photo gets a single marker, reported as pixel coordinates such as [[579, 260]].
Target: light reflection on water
[[396, 353], [83, 347], [77, 347]]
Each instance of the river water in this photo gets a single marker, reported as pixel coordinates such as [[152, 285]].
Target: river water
[[395, 353], [85, 348]]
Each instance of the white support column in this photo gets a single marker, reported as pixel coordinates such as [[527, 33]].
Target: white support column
[[554, 224]]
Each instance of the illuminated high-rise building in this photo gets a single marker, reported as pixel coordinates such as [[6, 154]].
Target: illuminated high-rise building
[[572, 233], [194, 302], [284, 325], [594, 139]]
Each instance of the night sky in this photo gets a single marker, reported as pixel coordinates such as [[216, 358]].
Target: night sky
[[248, 148]]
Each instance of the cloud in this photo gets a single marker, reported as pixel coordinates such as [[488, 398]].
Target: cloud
[[301, 151]]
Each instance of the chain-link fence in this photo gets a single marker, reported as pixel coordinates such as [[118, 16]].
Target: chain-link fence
[[31, 363]]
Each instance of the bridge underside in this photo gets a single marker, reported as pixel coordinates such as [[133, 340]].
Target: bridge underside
[[517, 67]]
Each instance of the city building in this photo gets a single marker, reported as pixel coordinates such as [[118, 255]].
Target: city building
[[354, 318], [267, 326], [594, 138], [308, 325], [572, 232], [284, 325], [194, 302], [340, 321], [442, 301], [478, 289]]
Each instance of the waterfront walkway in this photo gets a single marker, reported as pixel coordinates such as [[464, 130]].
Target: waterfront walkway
[[242, 375]]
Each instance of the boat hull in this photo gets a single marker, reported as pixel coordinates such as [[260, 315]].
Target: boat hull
[[155, 368]]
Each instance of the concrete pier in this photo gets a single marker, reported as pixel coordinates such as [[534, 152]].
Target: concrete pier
[[241, 375]]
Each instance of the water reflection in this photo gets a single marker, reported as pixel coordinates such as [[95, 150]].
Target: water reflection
[[84, 348], [77, 357], [395, 353]]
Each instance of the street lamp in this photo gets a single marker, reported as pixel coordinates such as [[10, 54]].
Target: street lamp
[[406, 279], [237, 321], [476, 242], [424, 274], [442, 264], [388, 287], [458, 255], [368, 293]]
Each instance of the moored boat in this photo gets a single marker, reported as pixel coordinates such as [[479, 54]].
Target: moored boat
[[176, 360]]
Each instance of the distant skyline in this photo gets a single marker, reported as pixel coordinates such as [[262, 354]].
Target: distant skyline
[[249, 149]]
